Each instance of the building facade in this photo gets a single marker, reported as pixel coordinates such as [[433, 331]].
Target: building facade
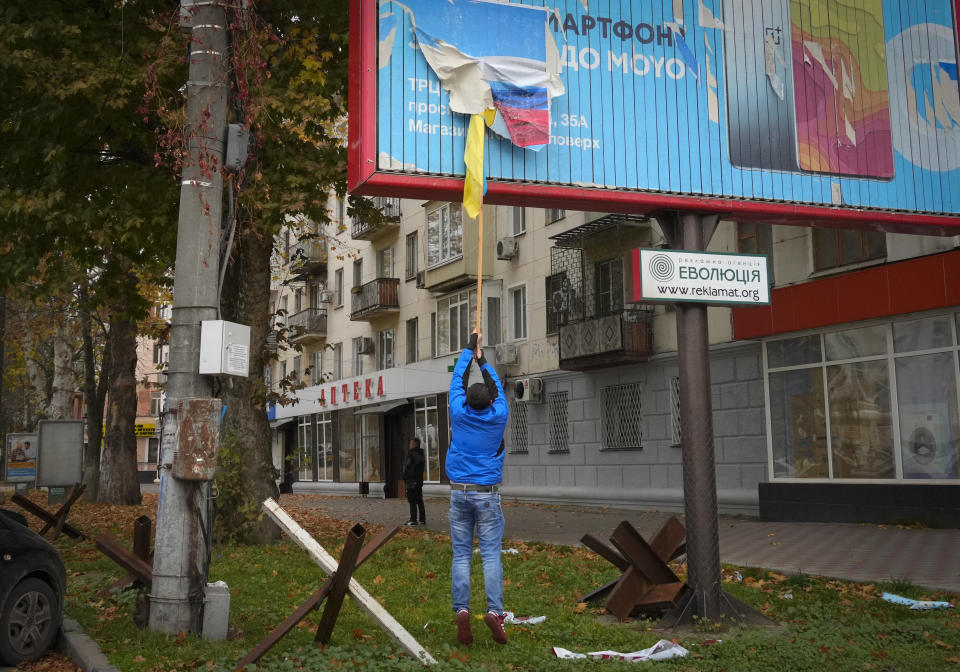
[[837, 401]]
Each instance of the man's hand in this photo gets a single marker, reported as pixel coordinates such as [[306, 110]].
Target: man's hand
[[474, 344]]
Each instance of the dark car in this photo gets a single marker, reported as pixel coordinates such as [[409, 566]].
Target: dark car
[[32, 585]]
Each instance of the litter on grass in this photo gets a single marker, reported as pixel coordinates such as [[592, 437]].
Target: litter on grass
[[662, 650], [509, 618], [915, 604], [509, 551]]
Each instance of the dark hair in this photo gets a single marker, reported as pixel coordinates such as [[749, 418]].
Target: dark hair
[[416, 441], [478, 396]]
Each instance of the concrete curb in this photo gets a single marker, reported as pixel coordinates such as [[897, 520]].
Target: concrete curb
[[81, 650]]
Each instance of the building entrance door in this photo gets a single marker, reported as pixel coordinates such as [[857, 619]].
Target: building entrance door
[[398, 430]]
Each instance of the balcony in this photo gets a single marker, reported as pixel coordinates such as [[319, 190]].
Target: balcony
[[611, 340], [308, 325], [375, 299], [308, 258], [389, 224]]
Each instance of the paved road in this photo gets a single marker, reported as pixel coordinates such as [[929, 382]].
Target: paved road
[[929, 558]]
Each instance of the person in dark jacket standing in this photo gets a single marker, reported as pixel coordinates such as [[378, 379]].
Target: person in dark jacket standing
[[478, 418], [413, 479]]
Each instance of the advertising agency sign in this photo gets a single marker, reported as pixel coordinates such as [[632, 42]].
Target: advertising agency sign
[[702, 277]]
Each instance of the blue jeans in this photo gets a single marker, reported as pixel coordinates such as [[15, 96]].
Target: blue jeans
[[480, 510]]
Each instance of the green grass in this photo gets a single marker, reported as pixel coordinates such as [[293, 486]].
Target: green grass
[[824, 624]]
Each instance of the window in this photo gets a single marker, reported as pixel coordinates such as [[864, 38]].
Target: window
[[433, 334], [357, 273], [456, 317], [753, 238], [620, 407], [337, 368], [338, 287], [298, 299], [159, 354], [840, 247], [385, 263], [557, 418], [519, 440], [315, 447], [426, 417], [283, 372], [609, 290], [156, 403], [555, 215], [518, 312], [357, 357], [519, 221], [676, 429], [873, 402], [563, 302], [385, 349], [444, 234], [313, 292], [316, 367], [297, 370], [284, 302], [342, 211], [412, 345], [153, 452], [411, 260], [268, 377]]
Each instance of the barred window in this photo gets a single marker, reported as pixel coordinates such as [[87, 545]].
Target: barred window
[[620, 416], [559, 429], [676, 437], [519, 442]]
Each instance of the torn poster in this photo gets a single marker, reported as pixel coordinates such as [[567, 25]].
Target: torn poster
[[483, 65], [662, 650]]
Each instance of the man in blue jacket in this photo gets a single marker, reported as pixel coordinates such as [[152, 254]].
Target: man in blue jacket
[[478, 417]]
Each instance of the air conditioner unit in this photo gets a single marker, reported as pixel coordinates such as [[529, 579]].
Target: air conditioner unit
[[326, 296], [528, 390], [507, 248], [365, 346], [508, 354], [421, 280]]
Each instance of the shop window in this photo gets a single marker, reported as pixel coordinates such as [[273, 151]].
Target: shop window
[[833, 248], [444, 234], [557, 404], [620, 407], [426, 419], [836, 416]]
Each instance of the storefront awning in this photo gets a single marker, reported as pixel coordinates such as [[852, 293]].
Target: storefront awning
[[382, 407], [277, 424]]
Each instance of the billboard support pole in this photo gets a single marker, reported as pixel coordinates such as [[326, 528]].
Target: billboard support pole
[[693, 232]]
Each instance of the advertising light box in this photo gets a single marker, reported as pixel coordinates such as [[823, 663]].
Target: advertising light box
[[786, 110]]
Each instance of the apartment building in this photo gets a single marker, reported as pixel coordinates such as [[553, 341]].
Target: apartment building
[[836, 402], [152, 358]]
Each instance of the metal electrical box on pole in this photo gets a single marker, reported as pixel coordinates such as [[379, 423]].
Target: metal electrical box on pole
[[183, 522]]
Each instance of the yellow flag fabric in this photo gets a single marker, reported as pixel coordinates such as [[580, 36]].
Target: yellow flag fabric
[[473, 185]]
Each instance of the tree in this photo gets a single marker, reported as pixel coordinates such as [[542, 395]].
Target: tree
[[81, 199]]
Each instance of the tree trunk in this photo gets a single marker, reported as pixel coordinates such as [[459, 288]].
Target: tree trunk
[[63, 382], [245, 472], [118, 468], [94, 395]]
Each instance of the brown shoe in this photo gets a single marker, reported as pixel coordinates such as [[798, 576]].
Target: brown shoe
[[495, 623], [464, 634]]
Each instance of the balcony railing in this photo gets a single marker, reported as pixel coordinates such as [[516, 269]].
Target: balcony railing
[[375, 298], [309, 257], [390, 207], [610, 340], [308, 324]]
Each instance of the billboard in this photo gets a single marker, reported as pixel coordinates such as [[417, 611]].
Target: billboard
[[789, 111], [22, 458], [60, 460]]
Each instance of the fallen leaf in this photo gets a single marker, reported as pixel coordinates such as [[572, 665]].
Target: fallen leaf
[[580, 608]]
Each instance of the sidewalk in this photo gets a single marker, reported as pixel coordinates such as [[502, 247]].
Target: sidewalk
[[867, 553]]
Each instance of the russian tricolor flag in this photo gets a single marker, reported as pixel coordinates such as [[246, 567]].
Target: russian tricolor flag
[[492, 55]]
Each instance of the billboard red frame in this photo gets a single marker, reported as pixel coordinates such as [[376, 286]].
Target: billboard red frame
[[365, 179]]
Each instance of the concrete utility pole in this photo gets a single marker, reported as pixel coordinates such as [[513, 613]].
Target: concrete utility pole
[[183, 526]]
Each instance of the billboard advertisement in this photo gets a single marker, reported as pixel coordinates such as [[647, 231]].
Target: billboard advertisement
[[786, 110], [21, 458]]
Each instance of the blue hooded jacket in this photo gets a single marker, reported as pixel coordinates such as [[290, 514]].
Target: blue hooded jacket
[[474, 455]]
